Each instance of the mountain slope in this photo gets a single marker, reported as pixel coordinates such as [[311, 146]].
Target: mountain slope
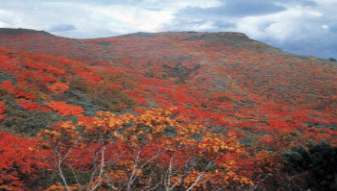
[[219, 79], [227, 94], [209, 61], [230, 67]]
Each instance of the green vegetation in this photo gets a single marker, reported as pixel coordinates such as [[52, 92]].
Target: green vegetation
[[317, 165]]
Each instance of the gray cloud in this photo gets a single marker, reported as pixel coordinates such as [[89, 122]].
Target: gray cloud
[[237, 8], [305, 27], [62, 28]]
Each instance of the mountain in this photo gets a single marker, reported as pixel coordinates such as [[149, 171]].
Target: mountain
[[226, 75], [269, 99]]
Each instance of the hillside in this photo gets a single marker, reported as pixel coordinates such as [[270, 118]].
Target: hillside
[[232, 85]]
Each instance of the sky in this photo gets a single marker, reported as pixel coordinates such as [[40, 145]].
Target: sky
[[305, 27]]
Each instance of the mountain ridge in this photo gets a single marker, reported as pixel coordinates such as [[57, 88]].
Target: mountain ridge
[[189, 35], [15, 31]]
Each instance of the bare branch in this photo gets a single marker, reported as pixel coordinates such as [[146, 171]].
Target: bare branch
[[133, 172], [60, 172], [200, 176], [101, 170]]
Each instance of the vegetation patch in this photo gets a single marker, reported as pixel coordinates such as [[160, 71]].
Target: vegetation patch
[[315, 164]]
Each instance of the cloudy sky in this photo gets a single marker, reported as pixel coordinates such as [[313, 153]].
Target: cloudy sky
[[307, 27]]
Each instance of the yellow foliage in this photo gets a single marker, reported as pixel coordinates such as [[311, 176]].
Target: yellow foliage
[[151, 127]]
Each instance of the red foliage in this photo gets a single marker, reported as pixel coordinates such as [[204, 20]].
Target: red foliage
[[2, 110], [281, 126], [19, 157], [58, 87], [23, 94], [21, 152], [8, 86], [31, 106], [266, 139], [89, 76], [64, 108], [236, 88]]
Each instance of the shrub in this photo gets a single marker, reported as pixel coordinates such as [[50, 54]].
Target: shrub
[[100, 97], [180, 72], [65, 109], [111, 99], [4, 76], [317, 164], [80, 98], [332, 60], [26, 122]]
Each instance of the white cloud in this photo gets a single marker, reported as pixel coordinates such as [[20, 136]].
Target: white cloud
[[325, 27], [95, 19], [127, 19], [290, 23], [176, 5]]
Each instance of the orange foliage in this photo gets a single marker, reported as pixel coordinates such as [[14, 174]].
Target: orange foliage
[[60, 187]]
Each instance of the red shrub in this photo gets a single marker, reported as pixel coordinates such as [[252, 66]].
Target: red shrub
[[19, 158], [65, 109], [2, 110], [58, 87], [8, 86]]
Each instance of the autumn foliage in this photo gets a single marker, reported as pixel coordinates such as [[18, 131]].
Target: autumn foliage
[[2, 110], [169, 111], [157, 139], [58, 87], [19, 158], [65, 109]]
